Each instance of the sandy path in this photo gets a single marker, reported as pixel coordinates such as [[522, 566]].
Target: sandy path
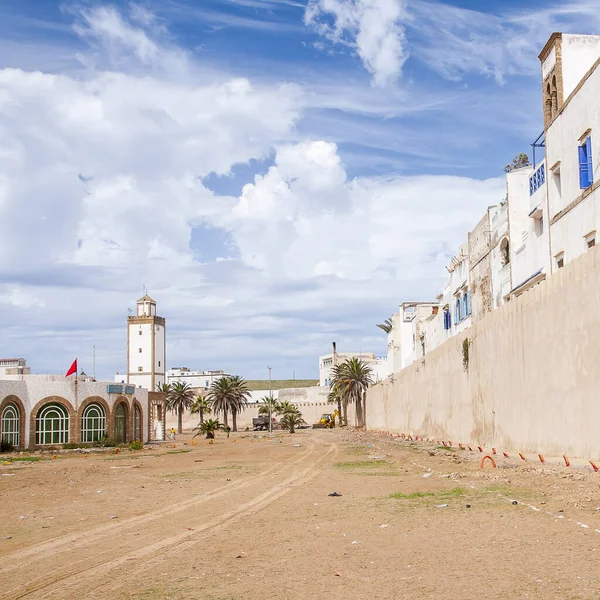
[[185, 531]]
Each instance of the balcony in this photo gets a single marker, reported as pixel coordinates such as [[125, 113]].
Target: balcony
[[537, 180]]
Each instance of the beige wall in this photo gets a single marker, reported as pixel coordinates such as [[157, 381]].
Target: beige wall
[[533, 378]]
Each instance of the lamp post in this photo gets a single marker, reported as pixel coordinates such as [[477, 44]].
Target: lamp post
[[270, 403]]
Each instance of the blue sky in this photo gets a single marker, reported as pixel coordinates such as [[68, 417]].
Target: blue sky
[[280, 174]]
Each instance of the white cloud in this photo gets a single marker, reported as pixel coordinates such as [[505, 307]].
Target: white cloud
[[373, 28], [304, 219], [101, 187]]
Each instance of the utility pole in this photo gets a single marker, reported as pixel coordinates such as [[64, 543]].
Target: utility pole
[[270, 404], [94, 368]]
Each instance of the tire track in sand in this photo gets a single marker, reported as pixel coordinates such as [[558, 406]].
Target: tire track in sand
[[91, 572], [19, 558]]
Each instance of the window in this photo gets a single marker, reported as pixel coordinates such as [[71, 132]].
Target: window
[[159, 363], [586, 171], [137, 423], [539, 226], [590, 240], [457, 312], [447, 319], [140, 369], [140, 350], [140, 332], [468, 302], [206, 384], [52, 425], [93, 423], [560, 260], [10, 425]]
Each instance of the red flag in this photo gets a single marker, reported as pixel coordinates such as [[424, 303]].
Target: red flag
[[72, 368]]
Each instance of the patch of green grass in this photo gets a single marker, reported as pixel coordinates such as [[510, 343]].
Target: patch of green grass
[[381, 474], [24, 458], [228, 467], [178, 451], [449, 448], [453, 493], [361, 464]]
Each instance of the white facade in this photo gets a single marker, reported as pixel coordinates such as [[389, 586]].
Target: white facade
[[196, 379], [574, 204], [378, 364], [146, 346], [13, 366]]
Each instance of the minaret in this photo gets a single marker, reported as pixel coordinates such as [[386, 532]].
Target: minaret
[[146, 346]]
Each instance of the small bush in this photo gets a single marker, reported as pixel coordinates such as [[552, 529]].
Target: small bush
[[74, 446], [106, 442], [6, 446], [136, 445]]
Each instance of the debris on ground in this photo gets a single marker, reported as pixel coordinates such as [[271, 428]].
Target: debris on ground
[[334, 494], [383, 526], [468, 506], [356, 542], [113, 517], [442, 506], [515, 502], [427, 475]]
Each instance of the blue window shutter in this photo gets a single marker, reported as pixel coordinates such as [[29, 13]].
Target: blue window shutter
[[456, 312], [468, 303], [583, 167], [588, 151]]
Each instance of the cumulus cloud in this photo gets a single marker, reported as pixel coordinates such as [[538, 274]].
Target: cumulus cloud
[[373, 28], [103, 184]]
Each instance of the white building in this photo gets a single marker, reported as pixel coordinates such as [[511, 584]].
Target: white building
[[571, 88], [196, 379], [146, 346], [378, 364], [13, 366]]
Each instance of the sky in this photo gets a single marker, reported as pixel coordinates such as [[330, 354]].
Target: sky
[[279, 174]]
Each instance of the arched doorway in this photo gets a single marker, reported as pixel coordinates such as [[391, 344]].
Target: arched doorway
[[121, 424], [93, 423], [11, 425], [137, 423], [52, 425]]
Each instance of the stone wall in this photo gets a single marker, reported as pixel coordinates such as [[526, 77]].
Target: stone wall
[[532, 379]]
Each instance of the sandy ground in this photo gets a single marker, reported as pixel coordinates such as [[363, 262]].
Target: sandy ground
[[250, 517]]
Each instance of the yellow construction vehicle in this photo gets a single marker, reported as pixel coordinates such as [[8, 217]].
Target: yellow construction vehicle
[[327, 421]]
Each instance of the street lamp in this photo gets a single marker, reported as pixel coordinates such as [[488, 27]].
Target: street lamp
[[270, 403]]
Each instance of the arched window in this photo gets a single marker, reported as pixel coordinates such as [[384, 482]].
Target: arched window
[[121, 424], [137, 423], [93, 423], [505, 252], [52, 425], [11, 425]]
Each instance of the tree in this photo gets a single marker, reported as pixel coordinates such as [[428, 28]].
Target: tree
[[268, 406], [208, 427], [519, 161], [292, 418], [220, 395], [387, 325], [353, 378], [179, 398], [201, 407], [165, 388], [240, 401], [285, 406]]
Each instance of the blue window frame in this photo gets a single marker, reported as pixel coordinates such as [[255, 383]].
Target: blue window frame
[[457, 311], [468, 301], [586, 171], [447, 319]]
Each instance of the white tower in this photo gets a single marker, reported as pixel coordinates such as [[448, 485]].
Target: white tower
[[146, 346]]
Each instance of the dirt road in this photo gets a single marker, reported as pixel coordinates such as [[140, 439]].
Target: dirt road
[[250, 517]]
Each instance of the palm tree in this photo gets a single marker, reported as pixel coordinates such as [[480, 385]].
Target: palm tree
[[201, 406], [335, 397], [268, 406], [292, 418], [387, 325], [165, 388], [222, 396], [180, 398], [240, 402], [353, 377], [209, 427], [284, 407]]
